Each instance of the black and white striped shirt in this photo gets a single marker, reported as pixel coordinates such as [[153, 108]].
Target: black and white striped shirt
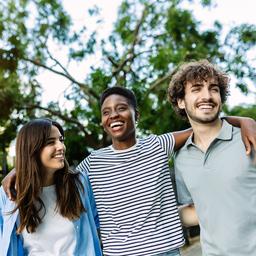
[[134, 197]]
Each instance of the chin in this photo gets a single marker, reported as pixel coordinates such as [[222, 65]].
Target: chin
[[208, 120]]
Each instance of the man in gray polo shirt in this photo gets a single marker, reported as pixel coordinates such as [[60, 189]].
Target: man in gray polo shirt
[[212, 169]]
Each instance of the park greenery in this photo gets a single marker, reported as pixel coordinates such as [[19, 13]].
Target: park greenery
[[148, 40]]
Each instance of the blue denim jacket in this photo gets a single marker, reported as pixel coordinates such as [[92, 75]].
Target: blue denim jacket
[[11, 244]]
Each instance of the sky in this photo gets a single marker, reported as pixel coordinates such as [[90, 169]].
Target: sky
[[229, 12]]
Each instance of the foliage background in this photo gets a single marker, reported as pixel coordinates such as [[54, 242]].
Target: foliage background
[[149, 39]]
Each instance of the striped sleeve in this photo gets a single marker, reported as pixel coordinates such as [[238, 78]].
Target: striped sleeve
[[167, 142], [84, 166]]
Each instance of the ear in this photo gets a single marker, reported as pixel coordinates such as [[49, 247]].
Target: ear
[[181, 103]]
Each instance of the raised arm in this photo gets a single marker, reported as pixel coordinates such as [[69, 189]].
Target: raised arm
[[248, 130]]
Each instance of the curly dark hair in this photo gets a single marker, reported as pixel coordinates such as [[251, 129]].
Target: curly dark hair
[[191, 71]]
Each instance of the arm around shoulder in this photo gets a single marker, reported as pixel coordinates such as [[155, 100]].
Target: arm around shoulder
[[181, 137], [248, 130]]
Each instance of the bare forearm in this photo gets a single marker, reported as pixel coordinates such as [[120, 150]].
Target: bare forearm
[[181, 137], [248, 130], [188, 215], [238, 121]]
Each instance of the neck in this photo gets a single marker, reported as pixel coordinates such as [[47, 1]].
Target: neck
[[204, 134], [48, 180], [120, 145]]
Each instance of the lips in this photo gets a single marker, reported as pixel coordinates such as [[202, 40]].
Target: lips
[[59, 156], [205, 106], [116, 124]]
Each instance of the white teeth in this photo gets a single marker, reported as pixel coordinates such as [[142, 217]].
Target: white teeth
[[205, 106], [115, 124], [59, 156]]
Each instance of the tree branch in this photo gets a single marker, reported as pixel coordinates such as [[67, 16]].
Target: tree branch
[[90, 139], [130, 55], [82, 86], [57, 113], [157, 82]]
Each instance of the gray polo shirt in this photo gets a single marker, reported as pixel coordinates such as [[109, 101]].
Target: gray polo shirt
[[221, 182]]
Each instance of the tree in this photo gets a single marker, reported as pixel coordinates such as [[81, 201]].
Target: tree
[[149, 39], [249, 111]]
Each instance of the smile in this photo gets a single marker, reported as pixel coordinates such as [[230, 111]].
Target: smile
[[116, 124], [59, 156], [205, 106]]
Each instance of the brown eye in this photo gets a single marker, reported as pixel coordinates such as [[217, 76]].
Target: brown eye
[[121, 109], [215, 89], [49, 142], [105, 113]]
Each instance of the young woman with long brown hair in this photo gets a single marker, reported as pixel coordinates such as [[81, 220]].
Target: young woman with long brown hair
[[54, 212]]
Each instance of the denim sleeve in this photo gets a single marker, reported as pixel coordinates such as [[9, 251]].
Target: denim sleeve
[[93, 204], [2, 199], [84, 169]]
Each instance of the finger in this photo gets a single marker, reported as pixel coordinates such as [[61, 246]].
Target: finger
[[254, 144], [247, 146], [8, 193]]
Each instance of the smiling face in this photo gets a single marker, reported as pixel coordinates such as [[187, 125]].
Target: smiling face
[[202, 101], [118, 120], [53, 154]]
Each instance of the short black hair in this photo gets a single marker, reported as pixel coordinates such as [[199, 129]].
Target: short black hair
[[129, 94]]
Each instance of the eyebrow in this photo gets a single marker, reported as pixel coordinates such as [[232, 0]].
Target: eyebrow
[[53, 138], [214, 84], [119, 104], [197, 84]]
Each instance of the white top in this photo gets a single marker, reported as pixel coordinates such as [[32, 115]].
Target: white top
[[135, 198], [55, 236]]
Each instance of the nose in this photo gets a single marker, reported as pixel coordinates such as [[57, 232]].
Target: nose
[[113, 114], [206, 93], [60, 145]]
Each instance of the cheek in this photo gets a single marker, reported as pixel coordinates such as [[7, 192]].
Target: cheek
[[42, 159], [132, 121], [44, 155], [219, 98], [103, 122]]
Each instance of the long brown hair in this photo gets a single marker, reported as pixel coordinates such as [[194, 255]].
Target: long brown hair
[[29, 182]]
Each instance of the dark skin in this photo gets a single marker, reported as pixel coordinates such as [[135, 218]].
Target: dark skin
[[118, 120]]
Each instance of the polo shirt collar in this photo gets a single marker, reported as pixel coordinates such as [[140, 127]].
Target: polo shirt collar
[[225, 131], [224, 134]]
